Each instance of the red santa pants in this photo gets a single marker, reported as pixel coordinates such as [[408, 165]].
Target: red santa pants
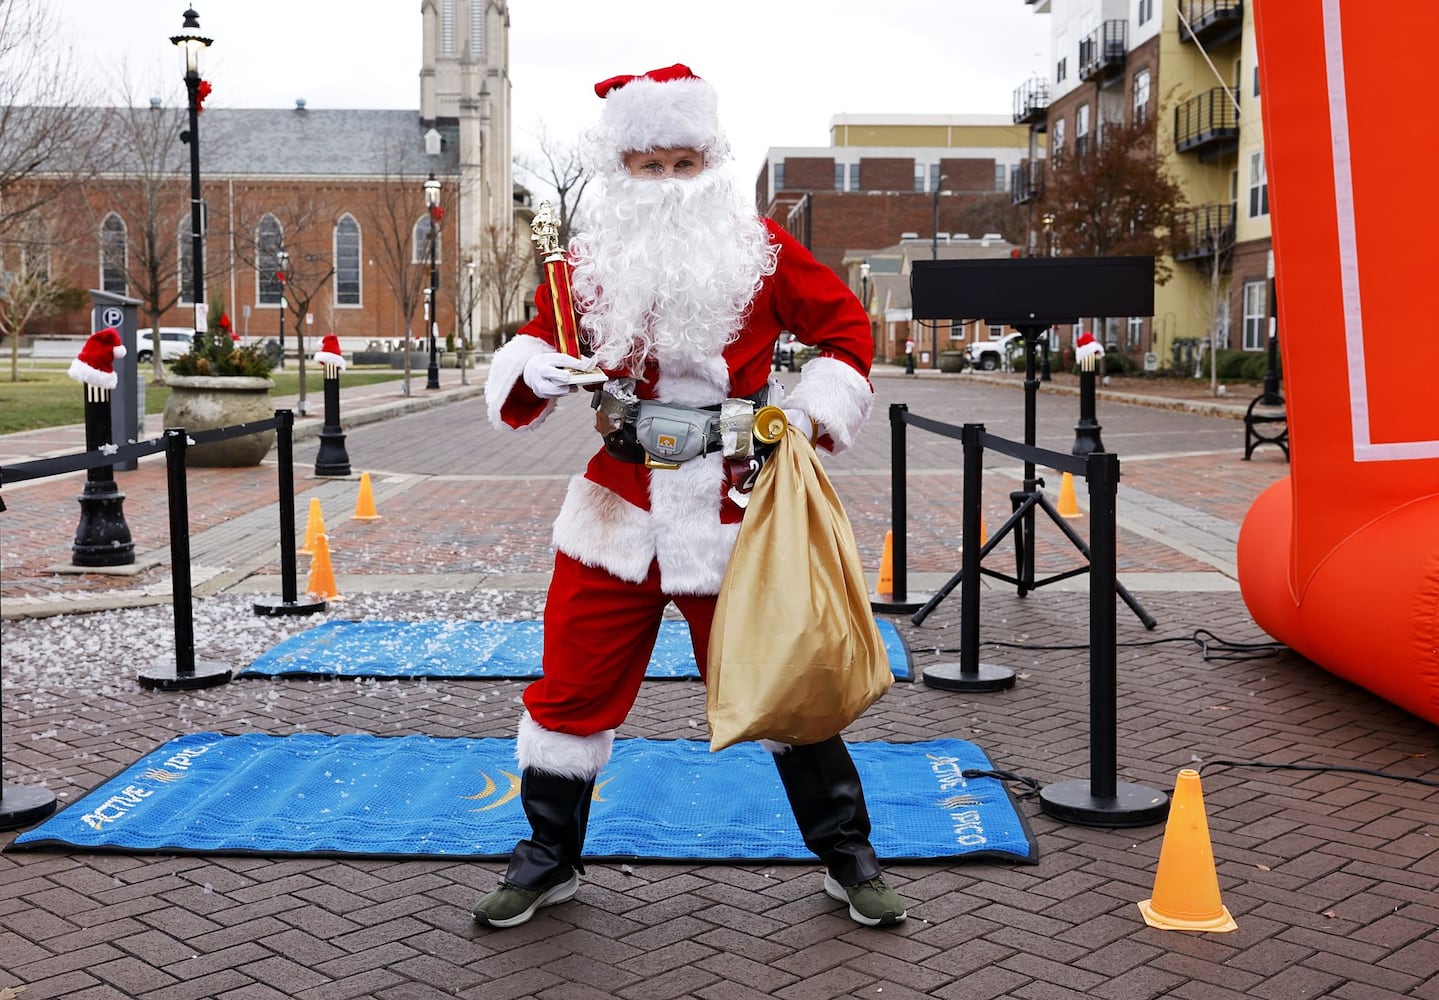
[[599, 634]]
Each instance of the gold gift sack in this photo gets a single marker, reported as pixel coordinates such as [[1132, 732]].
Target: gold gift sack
[[794, 654]]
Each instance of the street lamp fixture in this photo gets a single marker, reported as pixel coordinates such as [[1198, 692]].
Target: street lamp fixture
[[193, 42], [432, 202], [282, 275]]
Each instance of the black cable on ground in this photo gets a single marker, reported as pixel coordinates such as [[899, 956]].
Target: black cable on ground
[[1212, 647], [1031, 784]]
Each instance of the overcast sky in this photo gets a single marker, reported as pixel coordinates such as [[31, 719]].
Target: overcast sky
[[782, 67]]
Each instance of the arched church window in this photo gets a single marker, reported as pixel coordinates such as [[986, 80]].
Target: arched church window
[[347, 261], [112, 254], [269, 241]]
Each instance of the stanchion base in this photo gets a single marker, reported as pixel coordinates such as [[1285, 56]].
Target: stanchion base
[[951, 677], [1132, 805], [168, 678], [280, 608], [886, 604], [23, 806]]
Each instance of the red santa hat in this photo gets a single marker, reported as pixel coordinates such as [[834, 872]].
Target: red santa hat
[[95, 364], [665, 108], [329, 352], [1087, 351]]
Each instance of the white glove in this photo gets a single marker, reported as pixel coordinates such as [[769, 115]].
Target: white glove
[[800, 421], [548, 375]]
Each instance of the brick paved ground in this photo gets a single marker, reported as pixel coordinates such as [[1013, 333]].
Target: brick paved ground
[[1330, 874]]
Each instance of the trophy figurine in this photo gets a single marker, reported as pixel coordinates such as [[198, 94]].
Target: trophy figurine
[[545, 233]]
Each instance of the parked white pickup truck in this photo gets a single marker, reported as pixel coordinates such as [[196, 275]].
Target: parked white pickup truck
[[989, 355]]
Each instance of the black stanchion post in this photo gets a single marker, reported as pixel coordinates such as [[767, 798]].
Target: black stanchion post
[[1103, 800], [102, 537], [1086, 430], [332, 459], [899, 601], [186, 674], [20, 805], [969, 674], [290, 602]]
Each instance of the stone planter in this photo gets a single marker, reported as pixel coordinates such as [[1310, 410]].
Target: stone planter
[[205, 402], [951, 361]]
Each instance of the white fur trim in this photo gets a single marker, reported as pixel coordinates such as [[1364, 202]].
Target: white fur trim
[[691, 544], [118, 352], [334, 360], [836, 397], [508, 367], [600, 528], [646, 114], [560, 753], [81, 372]]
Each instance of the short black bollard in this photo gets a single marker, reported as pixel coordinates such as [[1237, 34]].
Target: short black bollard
[[185, 674], [1086, 431], [332, 459], [290, 602], [102, 537]]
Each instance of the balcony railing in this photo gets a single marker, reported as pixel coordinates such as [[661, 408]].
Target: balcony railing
[[1203, 232], [1026, 182], [1102, 52], [1031, 102], [1208, 124], [1211, 22]]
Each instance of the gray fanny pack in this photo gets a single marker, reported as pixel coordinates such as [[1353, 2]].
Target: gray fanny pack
[[677, 433]]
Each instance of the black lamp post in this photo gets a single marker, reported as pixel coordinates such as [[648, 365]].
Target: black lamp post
[[469, 344], [282, 275], [934, 242], [432, 202], [192, 42]]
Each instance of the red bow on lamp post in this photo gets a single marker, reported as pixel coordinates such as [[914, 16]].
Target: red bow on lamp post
[[201, 92]]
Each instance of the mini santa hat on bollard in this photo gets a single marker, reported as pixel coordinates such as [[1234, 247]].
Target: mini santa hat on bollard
[[667, 108], [1087, 351], [95, 364], [329, 352]]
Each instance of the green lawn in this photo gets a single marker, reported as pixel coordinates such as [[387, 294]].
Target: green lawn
[[47, 397]]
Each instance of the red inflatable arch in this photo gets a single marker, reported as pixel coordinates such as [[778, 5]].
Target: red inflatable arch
[[1340, 561]]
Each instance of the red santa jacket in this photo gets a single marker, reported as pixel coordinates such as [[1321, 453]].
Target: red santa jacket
[[622, 516]]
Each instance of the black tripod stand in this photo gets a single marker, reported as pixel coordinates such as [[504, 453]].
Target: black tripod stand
[[1031, 295]]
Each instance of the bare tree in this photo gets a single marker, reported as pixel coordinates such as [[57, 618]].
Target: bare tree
[[394, 221], [45, 136], [561, 167], [290, 235], [507, 258]]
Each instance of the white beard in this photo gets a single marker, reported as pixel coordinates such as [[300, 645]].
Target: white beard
[[668, 270]]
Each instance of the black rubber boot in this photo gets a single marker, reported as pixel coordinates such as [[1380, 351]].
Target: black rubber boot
[[828, 802], [558, 809]]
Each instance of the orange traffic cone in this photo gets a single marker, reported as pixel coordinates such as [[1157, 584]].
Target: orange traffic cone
[[1186, 886], [1068, 502], [365, 503], [321, 582], [886, 566], [314, 527]]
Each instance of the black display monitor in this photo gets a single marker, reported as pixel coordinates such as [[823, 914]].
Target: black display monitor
[[1032, 291]]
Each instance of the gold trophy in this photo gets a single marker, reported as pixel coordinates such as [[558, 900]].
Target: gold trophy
[[545, 233]]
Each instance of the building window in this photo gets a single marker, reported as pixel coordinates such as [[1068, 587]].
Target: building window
[[1258, 186], [347, 261], [1001, 177], [269, 239], [1255, 321], [919, 178], [1081, 122], [1141, 96], [934, 177], [779, 175], [1146, 10], [854, 177], [1134, 332], [1056, 142], [422, 242], [447, 27], [112, 254], [1061, 70], [477, 29], [839, 176]]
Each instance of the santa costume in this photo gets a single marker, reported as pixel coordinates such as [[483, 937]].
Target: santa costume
[[682, 292]]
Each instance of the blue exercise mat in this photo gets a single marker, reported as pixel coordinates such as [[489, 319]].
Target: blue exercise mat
[[422, 796], [471, 650]]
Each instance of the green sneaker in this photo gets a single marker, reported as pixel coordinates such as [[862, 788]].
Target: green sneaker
[[512, 905], [872, 903]]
